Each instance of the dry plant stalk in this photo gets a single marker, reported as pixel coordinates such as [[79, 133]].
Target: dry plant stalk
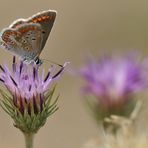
[[127, 135]]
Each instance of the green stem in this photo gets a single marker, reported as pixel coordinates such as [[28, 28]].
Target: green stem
[[29, 140]]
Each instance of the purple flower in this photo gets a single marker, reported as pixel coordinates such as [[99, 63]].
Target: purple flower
[[112, 80], [30, 94]]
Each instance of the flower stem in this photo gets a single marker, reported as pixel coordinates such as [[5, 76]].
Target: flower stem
[[29, 140]]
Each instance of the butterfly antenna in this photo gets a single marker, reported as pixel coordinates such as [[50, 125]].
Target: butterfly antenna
[[53, 62]]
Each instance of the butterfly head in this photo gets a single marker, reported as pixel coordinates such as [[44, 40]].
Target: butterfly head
[[38, 61]]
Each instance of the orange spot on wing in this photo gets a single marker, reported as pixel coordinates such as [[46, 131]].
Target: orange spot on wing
[[39, 19], [34, 20], [43, 17]]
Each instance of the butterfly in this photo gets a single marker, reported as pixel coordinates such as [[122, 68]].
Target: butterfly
[[27, 37]]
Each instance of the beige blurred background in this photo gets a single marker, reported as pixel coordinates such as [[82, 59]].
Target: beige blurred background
[[81, 27]]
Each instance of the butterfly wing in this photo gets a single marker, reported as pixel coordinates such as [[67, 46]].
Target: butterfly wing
[[24, 40], [31, 33], [9, 40], [45, 19], [27, 37], [17, 23]]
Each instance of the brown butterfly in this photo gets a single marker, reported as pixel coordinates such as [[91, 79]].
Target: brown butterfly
[[27, 37]]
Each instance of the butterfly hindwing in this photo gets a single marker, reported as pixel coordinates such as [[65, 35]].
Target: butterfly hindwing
[[24, 40], [17, 23], [8, 40]]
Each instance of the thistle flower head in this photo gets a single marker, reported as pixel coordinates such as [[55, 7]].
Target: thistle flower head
[[30, 101], [113, 80]]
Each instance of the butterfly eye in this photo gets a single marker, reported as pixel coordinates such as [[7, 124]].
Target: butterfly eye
[[38, 61]]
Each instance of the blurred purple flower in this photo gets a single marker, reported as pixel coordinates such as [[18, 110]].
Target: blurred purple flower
[[112, 80]]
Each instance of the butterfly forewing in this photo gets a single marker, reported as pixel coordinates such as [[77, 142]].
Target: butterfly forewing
[[46, 20]]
